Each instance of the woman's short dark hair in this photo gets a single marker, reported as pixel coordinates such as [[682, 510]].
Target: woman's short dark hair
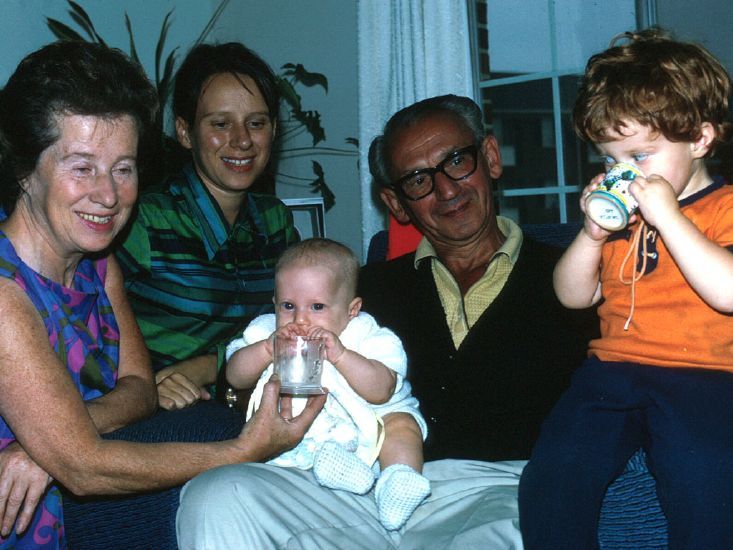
[[205, 60], [463, 108], [65, 78]]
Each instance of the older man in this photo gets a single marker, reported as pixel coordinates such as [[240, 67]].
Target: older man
[[490, 348], [486, 371]]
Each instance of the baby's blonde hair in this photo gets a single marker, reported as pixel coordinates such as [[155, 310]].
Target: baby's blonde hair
[[320, 251]]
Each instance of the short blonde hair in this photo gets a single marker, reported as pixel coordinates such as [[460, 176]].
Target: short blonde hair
[[320, 251]]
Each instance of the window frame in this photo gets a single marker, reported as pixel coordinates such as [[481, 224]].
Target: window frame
[[478, 35]]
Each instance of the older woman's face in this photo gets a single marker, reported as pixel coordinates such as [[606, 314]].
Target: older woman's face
[[232, 135], [84, 186]]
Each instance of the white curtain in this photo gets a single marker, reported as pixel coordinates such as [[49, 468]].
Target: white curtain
[[408, 50]]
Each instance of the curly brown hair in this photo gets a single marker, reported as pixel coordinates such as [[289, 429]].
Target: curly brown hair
[[672, 87]]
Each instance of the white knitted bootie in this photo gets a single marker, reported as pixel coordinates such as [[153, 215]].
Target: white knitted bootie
[[337, 468], [399, 490]]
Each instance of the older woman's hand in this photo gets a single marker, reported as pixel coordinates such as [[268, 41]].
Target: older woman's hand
[[22, 482], [272, 430]]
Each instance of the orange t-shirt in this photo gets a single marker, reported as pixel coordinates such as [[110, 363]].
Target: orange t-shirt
[[671, 325]]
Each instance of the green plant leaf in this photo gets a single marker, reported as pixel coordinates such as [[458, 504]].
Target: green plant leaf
[[84, 21], [299, 121], [299, 74], [133, 49], [161, 44], [62, 31], [320, 186], [288, 93], [212, 21], [164, 86], [312, 121]]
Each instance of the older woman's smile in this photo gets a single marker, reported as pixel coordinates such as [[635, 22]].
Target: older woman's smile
[[90, 176]]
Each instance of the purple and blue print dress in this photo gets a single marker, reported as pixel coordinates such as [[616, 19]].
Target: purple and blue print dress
[[83, 332]]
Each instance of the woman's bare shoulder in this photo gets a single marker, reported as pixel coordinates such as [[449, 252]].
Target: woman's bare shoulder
[[20, 319]]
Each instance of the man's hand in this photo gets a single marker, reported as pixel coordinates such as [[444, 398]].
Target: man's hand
[[272, 430], [176, 391], [22, 483]]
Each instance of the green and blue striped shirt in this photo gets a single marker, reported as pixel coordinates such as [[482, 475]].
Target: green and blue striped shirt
[[193, 281]]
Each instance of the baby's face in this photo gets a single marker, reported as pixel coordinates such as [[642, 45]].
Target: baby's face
[[310, 295]]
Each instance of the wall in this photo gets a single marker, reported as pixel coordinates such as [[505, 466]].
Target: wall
[[320, 34]]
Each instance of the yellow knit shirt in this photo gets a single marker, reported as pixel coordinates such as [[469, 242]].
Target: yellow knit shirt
[[461, 312]]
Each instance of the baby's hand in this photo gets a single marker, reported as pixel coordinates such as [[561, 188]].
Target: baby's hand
[[656, 197], [289, 331], [591, 228], [334, 348], [269, 345]]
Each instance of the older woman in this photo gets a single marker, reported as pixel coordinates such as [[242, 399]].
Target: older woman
[[72, 360], [198, 261]]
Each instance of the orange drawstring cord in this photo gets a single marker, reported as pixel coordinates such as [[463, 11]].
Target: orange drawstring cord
[[635, 275]]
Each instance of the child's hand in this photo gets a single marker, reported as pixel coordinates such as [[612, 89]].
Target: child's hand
[[334, 348], [591, 228], [656, 197], [269, 345], [291, 330]]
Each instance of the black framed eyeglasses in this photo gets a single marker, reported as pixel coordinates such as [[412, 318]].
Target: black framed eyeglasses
[[419, 184]]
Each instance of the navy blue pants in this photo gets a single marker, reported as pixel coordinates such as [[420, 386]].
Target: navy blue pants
[[683, 418]]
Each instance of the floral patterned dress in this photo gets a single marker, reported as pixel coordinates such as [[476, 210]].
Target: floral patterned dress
[[83, 332]]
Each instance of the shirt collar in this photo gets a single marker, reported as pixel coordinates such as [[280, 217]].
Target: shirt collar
[[510, 248], [215, 230]]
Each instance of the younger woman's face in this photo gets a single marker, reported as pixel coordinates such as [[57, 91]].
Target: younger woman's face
[[231, 138]]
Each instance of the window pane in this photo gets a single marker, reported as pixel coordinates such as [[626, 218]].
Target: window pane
[[509, 26], [580, 158], [530, 209], [540, 208], [583, 28], [573, 207], [523, 125], [520, 33]]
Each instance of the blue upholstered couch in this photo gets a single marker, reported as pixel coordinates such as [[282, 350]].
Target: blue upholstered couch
[[630, 518]]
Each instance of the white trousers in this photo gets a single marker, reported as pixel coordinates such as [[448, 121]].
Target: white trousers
[[472, 505]]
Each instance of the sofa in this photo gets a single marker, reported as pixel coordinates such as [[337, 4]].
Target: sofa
[[631, 517]]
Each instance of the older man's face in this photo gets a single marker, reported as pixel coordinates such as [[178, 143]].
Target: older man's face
[[456, 212]]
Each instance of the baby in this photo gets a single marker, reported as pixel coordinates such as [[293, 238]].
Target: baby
[[369, 400]]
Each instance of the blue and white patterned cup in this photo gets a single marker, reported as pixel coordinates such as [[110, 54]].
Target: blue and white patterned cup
[[611, 204]]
